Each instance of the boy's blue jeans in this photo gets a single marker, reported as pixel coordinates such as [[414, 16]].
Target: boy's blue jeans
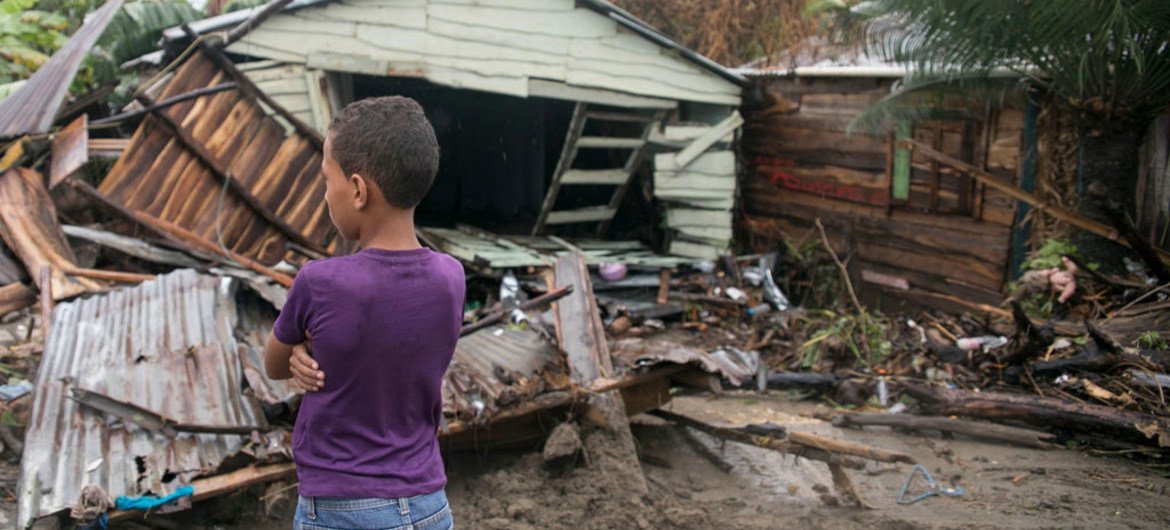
[[422, 512]]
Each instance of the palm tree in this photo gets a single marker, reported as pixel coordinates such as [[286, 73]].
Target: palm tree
[[1107, 62]]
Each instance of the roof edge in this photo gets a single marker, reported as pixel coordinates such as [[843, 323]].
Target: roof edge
[[601, 7]]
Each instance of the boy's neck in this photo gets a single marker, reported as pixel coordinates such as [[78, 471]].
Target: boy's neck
[[394, 231]]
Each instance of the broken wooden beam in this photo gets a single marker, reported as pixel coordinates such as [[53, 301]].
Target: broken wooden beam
[[581, 335], [164, 103], [207, 246], [783, 380], [766, 442], [109, 276], [535, 303], [1147, 252], [16, 296], [1037, 410], [206, 488], [808, 439], [28, 225], [975, 429], [1014, 192]]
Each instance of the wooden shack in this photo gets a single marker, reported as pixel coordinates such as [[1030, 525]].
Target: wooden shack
[[914, 228], [551, 114]]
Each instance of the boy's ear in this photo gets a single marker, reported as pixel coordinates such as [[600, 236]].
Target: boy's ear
[[361, 192]]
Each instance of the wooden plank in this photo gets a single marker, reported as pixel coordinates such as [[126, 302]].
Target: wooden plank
[[690, 133], [568, 154], [713, 163], [721, 233], [708, 139], [16, 296], [679, 217], [665, 180], [70, 150], [581, 335], [575, 23], [206, 488], [601, 142], [695, 250], [714, 195], [721, 203], [610, 177], [580, 215], [28, 225], [1011, 190], [631, 165], [627, 117]]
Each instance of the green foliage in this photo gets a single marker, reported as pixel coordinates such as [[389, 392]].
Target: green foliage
[[1048, 256], [136, 28], [28, 37], [1151, 340], [1106, 60], [236, 5], [864, 336]]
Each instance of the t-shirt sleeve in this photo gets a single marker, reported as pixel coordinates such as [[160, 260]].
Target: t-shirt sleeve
[[293, 321]]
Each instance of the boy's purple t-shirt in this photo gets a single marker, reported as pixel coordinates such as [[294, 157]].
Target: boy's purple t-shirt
[[383, 325]]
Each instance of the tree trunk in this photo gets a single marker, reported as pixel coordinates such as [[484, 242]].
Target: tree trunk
[[1109, 165]]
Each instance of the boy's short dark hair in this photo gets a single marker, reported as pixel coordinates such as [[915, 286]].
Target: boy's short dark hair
[[388, 139]]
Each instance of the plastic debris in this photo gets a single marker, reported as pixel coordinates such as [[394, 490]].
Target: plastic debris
[[758, 310], [772, 293], [147, 502], [987, 342], [510, 295], [753, 276], [612, 272], [12, 391], [932, 487]]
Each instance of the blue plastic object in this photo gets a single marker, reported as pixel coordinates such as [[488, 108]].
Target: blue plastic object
[[147, 502], [932, 487]]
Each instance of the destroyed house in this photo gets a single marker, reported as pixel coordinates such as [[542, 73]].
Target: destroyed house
[[554, 117], [147, 389], [911, 208]]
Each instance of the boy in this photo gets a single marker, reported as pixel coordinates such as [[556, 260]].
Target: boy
[[382, 324]]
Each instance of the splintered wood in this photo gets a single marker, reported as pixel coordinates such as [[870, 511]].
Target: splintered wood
[[582, 337], [28, 224], [837, 454]]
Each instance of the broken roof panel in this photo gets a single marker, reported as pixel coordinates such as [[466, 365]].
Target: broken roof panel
[[168, 345], [480, 248], [32, 109], [513, 48], [182, 161]]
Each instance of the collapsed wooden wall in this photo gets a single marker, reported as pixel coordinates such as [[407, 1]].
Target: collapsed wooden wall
[[802, 165]]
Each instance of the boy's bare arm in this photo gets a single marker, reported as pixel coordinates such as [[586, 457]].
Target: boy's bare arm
[[282, 361], [276, 359]]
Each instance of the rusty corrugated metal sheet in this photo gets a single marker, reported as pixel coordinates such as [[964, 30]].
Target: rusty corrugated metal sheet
[[32, 109], [168, 345], [497, 367], [160, 176]]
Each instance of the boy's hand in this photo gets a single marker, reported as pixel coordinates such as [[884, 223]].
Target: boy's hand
[[306, 374]]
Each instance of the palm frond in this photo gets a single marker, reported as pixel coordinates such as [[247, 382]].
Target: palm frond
[[931, 98]]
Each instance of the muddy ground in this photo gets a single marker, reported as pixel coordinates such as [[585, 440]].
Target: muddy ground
[[1006, 487]]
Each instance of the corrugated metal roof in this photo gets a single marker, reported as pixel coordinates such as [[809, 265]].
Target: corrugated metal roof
[[497, 367], [168, 345], [32, 109], [161, 176]]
